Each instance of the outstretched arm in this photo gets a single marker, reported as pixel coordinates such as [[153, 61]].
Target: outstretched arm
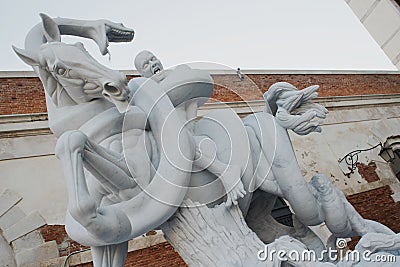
[[230, 175]]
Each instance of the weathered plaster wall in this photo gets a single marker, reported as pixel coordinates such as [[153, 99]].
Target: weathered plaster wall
[[39, 180], [320, 152]]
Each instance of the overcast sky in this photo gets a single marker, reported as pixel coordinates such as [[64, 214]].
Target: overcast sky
[[262, 34]]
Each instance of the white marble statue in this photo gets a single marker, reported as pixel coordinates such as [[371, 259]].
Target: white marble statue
[[180, 86], [135, 156]]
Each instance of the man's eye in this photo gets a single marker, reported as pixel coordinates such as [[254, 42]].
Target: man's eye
[[153, 58]]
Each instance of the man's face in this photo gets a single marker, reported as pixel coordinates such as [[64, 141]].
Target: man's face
[[147, 64]]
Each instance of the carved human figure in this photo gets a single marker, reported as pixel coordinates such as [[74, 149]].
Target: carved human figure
[[149, 66]]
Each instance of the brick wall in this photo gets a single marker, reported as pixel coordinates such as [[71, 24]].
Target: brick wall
[[26, 95], [337, 84], [378, 205], [21, 96], [162, 254], [367, 172], [330, 84]]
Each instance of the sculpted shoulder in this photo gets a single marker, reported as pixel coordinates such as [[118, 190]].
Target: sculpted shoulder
[[181, 84], [184, 83]]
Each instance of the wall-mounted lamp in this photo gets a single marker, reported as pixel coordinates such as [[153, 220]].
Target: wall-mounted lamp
[[387, 154], [391, 149]]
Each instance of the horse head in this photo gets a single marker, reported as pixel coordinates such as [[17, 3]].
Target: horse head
[[70, 74]]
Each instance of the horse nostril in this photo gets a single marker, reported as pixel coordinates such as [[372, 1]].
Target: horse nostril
[[111, 89]]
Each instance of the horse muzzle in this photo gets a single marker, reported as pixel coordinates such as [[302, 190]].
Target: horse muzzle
[[118, 95]]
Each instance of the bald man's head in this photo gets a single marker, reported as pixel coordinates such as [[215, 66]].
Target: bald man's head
[[147, 64]]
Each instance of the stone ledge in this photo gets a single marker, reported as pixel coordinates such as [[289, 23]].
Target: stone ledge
[[396, 197], [36, 124], [7, 200], [23, 227], [43, 252], [56, 262], [28, 241], [11, 217], [395, 188], [6, 254], [19, 238], [15, 118], [138, 243]]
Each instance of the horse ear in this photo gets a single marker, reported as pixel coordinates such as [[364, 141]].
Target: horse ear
[[27, 56], [50, 29]]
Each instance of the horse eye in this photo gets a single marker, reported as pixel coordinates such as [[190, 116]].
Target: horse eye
[[61, 71]]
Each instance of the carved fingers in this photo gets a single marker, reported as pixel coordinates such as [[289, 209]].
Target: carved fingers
[[231, 179], [303, 120], [294, 108], [301, 124], [235, 194], [310, 92]]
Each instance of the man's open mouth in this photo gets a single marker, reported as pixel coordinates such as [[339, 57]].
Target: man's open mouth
[[156, 70]]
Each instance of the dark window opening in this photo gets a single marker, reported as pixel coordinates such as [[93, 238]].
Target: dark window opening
[[281, 213]]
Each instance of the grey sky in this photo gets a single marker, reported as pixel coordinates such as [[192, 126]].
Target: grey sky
[[264, 34]]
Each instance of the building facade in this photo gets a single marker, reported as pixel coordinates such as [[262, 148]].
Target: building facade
[[364, 112], [382, 20]]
